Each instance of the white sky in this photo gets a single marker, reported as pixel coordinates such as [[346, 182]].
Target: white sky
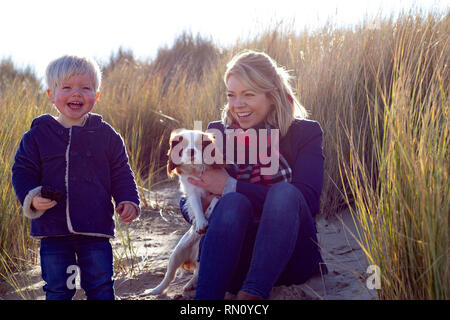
[[33, 32]]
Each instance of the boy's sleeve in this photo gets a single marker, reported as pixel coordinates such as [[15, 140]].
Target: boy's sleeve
[[183, 210], [26, 175], [123, 184]]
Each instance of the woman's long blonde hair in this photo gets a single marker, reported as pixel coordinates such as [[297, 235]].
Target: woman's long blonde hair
[[260, 72]]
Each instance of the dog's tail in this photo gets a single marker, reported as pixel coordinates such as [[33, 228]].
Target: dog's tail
[[170, 275]]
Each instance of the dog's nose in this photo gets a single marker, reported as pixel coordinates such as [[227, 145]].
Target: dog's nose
[[191, 153]]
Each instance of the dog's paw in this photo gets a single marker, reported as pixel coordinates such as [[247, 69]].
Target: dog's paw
[[190, 286], [201, 226], [153, 291]]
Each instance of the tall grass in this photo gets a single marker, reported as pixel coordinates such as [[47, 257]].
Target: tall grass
[[19, 104], [402, 193], [379, 91]]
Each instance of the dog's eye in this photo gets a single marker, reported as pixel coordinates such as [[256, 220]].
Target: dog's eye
[[206, 143], [176, 141]]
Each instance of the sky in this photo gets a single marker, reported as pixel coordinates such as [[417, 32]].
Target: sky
[[34, 32]]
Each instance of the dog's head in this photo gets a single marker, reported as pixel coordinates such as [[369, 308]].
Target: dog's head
[[192, 147]]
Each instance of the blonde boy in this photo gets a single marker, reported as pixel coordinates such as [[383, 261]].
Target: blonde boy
[[67, 169]]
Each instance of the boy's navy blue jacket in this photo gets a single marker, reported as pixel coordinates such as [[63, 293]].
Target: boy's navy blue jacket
[[88, 164]]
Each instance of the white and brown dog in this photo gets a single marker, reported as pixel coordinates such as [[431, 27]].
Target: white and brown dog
[[190, 151]]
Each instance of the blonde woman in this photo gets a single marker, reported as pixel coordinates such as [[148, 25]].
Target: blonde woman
[[262, 230]]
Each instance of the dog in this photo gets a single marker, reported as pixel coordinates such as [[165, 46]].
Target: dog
[[187, 154]]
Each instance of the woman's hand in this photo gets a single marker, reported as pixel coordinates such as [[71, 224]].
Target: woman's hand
[[206, 200], [41, 204], [212, 180]]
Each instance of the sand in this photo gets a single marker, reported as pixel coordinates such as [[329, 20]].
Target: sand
[[159, 228]]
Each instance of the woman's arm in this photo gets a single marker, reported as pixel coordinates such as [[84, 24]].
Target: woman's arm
[[307, 168]]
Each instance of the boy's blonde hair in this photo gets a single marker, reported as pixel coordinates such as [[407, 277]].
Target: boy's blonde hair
[[69, 65], [260, 72]]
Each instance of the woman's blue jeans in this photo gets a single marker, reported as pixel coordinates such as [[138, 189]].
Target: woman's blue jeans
[[242, 252], [94, 257]]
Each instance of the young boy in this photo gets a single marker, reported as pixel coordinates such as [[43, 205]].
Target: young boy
[[66, 171]]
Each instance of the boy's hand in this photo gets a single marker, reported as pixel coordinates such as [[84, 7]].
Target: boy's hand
[[127, 212], [40, 204]]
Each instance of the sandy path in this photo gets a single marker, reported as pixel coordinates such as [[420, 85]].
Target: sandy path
[[160, 226]]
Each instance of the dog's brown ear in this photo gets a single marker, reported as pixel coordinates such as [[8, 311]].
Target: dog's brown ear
[[175, 139], [170, 167], [206, 141], [216, 154]]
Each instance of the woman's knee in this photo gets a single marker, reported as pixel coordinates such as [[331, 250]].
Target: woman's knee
[[286, 197], [283, 191], [232, 208], [282, 194]]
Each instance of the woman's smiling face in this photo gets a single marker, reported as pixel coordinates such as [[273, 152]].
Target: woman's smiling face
[[248, 107]]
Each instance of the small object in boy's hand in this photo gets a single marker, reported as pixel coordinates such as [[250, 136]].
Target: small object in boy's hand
[[51, 193]]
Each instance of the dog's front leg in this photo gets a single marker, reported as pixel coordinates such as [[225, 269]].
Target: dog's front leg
[[200, 222]]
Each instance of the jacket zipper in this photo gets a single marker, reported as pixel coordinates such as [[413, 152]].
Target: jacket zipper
[[69, 223]]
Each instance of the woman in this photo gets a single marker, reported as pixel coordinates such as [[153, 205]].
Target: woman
[[262, 231]]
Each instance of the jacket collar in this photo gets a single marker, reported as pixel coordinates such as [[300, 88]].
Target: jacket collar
[[93, 121]]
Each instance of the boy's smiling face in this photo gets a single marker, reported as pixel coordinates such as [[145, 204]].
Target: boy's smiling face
[[74, 97]]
